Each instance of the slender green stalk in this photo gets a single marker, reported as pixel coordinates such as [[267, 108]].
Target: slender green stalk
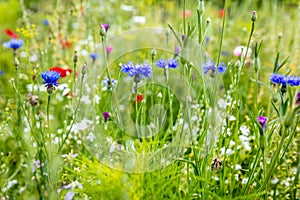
[[105, 57], [222, 34], [74, 116]]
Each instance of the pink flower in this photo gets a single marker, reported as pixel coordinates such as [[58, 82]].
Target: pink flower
[[188, 13], [241, 51]]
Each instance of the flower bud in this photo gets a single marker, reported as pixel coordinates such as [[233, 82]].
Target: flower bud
[[102, 31], [75, 59], [289, 119], [254, 16], [201, 7], [83, 69], [16, 63], [275, 97], [256, 64], [153, 53]]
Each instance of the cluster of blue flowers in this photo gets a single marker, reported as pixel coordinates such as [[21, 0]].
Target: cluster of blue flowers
[[210, 65], [284, 80], [137, 71], [171, 63]]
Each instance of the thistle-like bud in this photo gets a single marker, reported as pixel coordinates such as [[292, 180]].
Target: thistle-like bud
[[83, 69], [254, 16], [216, 164], [75, 59], [102, 31]]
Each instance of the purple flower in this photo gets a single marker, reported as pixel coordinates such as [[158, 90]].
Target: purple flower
[[177, 50], [69, 196], [105, 26], [50, 78], [13, 44], [106, 116], [293, 80], [209, 65], [172, 63], [262, 121], [222, 68], [278, 78], [297, 102], [108, 49], [161, 63]]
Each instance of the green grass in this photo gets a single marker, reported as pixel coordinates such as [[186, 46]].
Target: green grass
[[63, 148]]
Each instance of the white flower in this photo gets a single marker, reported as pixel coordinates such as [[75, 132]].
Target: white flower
[[275, 180], [97, 99], [232, 118], [90, 137], [245, 180], [222, 103], [139, 19], [85, 99], [245, 130]]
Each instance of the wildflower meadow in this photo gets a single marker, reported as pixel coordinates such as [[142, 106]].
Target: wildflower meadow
[[149, 99]]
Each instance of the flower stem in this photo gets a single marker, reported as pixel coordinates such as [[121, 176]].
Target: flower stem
[[105, 58]]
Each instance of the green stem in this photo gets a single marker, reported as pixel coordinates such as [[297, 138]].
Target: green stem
[[48, 105], [222, 34], [74, 116], [105, 58]]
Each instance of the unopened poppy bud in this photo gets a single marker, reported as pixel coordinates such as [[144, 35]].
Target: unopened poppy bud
[[254, 16]]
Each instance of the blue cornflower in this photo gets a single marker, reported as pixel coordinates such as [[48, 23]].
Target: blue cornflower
[[222, 67], [279, 79], [137, 71], [109, 84], [94, 56], [293, 80], [50, 78], [161, 63], [46, 22], [141, 70], [127, 67], [1, 72], [172, 63], [13, 43], [209, 65]]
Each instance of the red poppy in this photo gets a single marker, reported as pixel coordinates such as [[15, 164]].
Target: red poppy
[[11, 34], [61, 71], [222, 12], [139, 98]]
